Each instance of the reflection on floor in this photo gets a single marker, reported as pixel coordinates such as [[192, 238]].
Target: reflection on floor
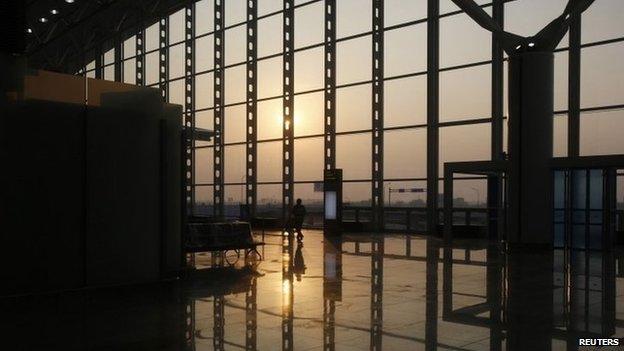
[[362, 292]]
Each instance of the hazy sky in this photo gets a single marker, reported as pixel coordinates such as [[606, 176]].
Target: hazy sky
[[464, 94]]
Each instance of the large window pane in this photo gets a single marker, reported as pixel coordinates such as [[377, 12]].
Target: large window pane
[[401, 11], [204, 53], [309, 69], [109, 69], [234, 164], [270, 117], [602, 75], [356, 194], [235, 45], [176, 26], [407, 198], [353, 17], [463, 41], [405, 153], [151, 68], [600, 22], [309, 24], [233, 196], [204, 166], [405, 101], [270, 161], [405, 50], [561, 81], [129, 47], [177, 67], [353, 60], [309, 159], [176, 92], [235, 83], [465, 143], [204, 90], [601, 133], [353, 155], [129, 71], [270, 35], [204, 200], [269, 6], [560, 136], [309, 113], [270, 78], [235, 11], [313, 201], [151, 37], [204, 17], [204, 119], [465, 93], [235, 124], [269, 200], [353, 108]]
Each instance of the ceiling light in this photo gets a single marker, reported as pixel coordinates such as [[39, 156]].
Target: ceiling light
[[29, 30], [43, 20], [531, 44], [518, 47], [69, 1], [54, 11]]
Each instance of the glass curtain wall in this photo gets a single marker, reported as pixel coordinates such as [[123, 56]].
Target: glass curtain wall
[[589, 79]]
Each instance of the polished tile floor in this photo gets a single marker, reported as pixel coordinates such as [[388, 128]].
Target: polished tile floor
[[361, 292]]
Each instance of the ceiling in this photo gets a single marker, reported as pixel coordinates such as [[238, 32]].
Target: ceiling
[[64, 34]]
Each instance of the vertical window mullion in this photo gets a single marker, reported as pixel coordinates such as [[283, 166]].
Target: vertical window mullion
[[219, 74]]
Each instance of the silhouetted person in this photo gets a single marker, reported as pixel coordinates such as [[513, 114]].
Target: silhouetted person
[[299, 266], [297, 216]]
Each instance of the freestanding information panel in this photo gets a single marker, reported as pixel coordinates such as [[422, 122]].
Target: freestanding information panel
[[332, 188]]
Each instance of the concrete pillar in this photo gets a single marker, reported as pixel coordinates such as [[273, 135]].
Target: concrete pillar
[[531, 80]]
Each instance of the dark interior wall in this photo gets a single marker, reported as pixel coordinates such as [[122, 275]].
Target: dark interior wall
[[83, 195], [123, 196], [41, 203]]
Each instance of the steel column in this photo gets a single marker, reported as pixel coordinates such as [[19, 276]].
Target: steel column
[[433, 50], [189, 108], [219, 90], [140, 57], [118, 58], [497, 84], [288, 104], [494, 183], [574, 87], [163, 58], [330, 84], [378, 114], [252, 109]]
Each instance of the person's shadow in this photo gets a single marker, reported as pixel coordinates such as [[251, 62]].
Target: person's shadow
[[299, 266]]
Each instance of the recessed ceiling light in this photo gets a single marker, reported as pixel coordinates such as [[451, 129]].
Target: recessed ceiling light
[[43, 20], [531, 44], [69, 1], [54, 11], [29, 30]]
